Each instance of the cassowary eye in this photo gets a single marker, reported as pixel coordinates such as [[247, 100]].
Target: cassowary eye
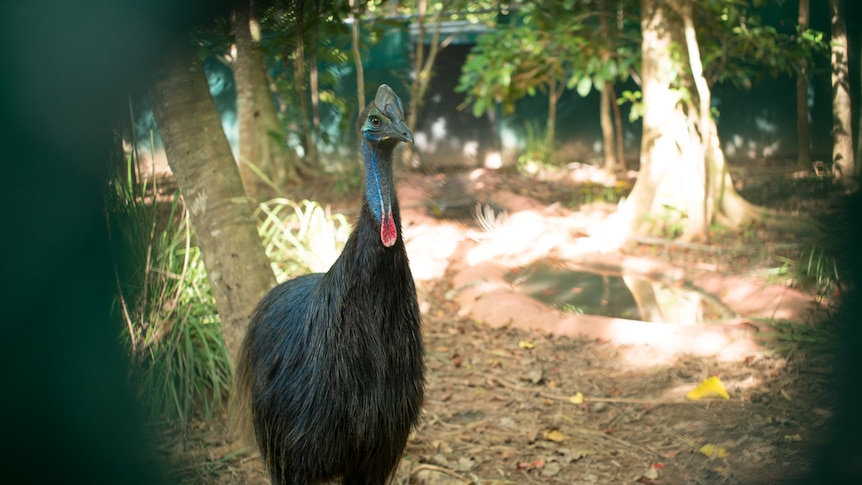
[[375, 121]]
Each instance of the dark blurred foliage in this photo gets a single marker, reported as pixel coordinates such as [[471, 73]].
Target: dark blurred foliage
[[840, 461], [68, 412]]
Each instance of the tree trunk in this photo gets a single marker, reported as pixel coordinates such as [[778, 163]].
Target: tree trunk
[[357, 56], [200, 157], [263, 156], [842, 139], [683, 184], [605, 117], [555, 91], [618, 125], [664, 183], [314, 85], [803, 139], [607, 130], [422, 72], [299, 64]]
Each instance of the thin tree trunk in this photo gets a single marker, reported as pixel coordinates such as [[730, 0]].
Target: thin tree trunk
[[306, 134], [555, 91], [422, 69], [618, 128], [357, 56], [314, 85], [200, 157], [842, 138], [607, 123], [803, 138], [605, 104], [259, 151]]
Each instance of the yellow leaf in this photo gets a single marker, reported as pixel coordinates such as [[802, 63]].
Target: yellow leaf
[[711, 387], [576, 398], [792, 437], [526, 345], [713, 451], [555, 436]]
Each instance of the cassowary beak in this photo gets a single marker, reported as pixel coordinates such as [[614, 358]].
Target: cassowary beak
[[400, 132]]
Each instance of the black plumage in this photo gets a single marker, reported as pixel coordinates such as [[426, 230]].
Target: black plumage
[[331, 369]]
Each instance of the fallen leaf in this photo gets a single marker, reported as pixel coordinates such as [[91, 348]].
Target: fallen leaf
[[574, 455], [711, 387], [526, 345], [529, 466], [555, 436], [535, 376], [785, 395], [651, 475], [576, 398], [713, 451], [465, 464], [551, 469], [793, 437]]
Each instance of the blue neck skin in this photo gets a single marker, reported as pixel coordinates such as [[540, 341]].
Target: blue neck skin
[[378, 178]]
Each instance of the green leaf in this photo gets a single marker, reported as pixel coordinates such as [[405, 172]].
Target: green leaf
[[584, 86], [478, 107], [599, 83]]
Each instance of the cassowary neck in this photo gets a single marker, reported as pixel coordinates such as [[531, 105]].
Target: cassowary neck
[[379, 191]]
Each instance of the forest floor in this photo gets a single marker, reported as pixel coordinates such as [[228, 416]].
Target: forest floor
[[520, 391]]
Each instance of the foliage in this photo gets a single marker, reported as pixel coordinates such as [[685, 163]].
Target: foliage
[[813, 270], [349, 179], [521, 58], [318, 28], [670, 223], [738, 47], [537, 151], [171, 326], [300, 237], [590, 193], [547, 44]]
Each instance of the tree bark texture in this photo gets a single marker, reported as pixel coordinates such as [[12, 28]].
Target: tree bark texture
[[842, 133], [200, 157], [256, 113]]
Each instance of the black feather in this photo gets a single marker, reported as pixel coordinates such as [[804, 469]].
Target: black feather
[[332, 367]]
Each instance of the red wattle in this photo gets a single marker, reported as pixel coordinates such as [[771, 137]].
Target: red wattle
[[388, 232]]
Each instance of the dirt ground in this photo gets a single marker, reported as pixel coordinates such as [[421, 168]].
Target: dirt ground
[[520, 392]]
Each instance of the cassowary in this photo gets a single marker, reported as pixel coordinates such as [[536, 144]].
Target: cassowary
[[331, 369]]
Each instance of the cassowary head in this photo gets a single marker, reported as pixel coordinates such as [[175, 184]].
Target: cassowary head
[[382, 125], [383, 120]]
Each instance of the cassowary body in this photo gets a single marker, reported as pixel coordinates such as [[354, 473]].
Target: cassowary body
[[331, 368]]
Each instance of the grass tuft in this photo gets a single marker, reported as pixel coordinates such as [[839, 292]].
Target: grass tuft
[[170, 324], [300, 237]]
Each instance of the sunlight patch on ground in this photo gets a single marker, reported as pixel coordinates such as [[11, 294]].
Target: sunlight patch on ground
[[475, 263]]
